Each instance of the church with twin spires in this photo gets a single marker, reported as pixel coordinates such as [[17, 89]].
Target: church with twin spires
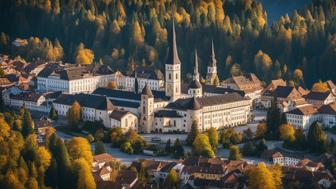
[[179, 106]]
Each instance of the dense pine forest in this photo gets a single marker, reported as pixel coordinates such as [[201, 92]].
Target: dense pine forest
[[300, 46]]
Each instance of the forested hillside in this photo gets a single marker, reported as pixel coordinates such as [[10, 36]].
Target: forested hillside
[[123, 33]]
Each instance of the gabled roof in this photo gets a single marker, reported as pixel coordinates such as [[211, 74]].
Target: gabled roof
[[185, 104], [191, 103], [114, 93], [328, 109], [148, 73], [119, 114], [167, 113], [125, 103], [220, 90], [275, 83], [331, 84], [304, 110], [32, 97], [73, 72], [125, 178], [302, 90], [5, 81], [102, 158], [318, 95], [283, 91], [85, 100], [247, 82], [49, 69], [120, 95]]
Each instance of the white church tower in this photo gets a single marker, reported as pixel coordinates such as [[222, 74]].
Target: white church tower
[[212, 67], [147, 110], [173, 70]]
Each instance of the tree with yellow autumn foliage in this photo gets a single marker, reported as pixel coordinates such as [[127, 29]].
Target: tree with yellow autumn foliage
[[74, 115], [261, 130], [202, 146], [79, 147], [84, 55], [84, 177], [287, 133], [263, 63], [320, 87], [260, 177], [298, 76]]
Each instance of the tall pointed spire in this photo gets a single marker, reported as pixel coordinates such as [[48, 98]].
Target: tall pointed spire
[[173, 57], [196, 73], [213, 61]]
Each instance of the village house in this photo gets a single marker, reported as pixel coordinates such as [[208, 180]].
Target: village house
[[306, 178], [320, 98], [127, 179], [310, 165], [248, 83], [101, 160], [328, 114], [31, 100], [302, 116], [96, 108], [274, 84], [306, 115], [288, 98], [123, 119], [275, 157]]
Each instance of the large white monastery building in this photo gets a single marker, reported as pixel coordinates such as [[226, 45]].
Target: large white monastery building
[[145, 100], [73, 79], [179, 112]]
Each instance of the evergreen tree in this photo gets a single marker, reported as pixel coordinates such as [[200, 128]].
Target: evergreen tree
[[178, 149], [99, 148], [261, 146], [51, 175], [283, 119], [27, 123], [317, 139], [273, 120], [168, 146], [248, 134], [53, 113], [249, 149], [300, 138], [64, 166], [193, 133]]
